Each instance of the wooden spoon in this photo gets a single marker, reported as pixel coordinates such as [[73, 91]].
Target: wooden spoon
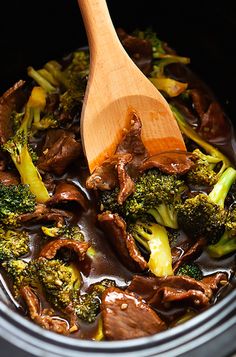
[[115, 88]]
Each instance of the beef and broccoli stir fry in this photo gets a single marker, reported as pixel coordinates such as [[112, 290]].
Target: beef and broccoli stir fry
[[138, 246]]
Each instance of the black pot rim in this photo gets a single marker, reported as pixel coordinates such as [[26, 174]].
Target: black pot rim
[[215, 321]]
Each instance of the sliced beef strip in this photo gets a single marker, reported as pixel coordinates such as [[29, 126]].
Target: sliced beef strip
[[122, 242], [13, 99], [2, 164], [214, 124], [123, 166], [49, 182], [200, 100], [172, 289], [8, 178], [59, 151], [127, 186], [46, 214], [139, 50], [213, 121], [127, 316], [3, 161], [105, 177], [170, 162], [50, 249], [67, 192], [191, 253], [42, 317], [213, 281], [132, 144]]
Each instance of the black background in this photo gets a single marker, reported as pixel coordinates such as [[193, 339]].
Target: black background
[[33, 32]]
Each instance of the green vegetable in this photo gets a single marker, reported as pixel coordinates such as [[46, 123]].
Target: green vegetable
[[13, 244], [16, 268], [154, 239], [108, 201], [169, 86], [15, 200], [17, 146], [60, 281], [227, 242], [68, 232], [87, 306], [203, 173], [163, 61], [204, 215], [192, 270], [190, 133], [155, 193], [160, 60], [69, 83], [157, 45], [48, 121], [43, 79]]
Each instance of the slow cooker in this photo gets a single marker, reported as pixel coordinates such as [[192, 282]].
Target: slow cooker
[[32, 33]]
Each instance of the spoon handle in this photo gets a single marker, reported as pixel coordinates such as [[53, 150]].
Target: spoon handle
[[100, 31]]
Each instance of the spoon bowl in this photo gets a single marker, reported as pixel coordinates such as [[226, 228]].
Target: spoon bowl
[[116, 87]]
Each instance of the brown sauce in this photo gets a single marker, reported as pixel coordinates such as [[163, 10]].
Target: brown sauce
[[105, 264]]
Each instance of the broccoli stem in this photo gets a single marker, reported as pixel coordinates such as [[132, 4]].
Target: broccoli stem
[[160, 261], [39, 79], [193, 135], [165, 215], [224, 246], [154, 239], [222, 187], [99, 335], [30, 175], [18, 146]]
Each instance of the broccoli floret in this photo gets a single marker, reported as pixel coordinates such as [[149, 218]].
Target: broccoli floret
[[227, 242], [70, 83], [191, 270], [60, 281], [173, 236], [16, 119], [108, 201], [161, 59], [15, 200], [68, 232], [17, 146], [204, 215], [71, 100], [48, 121], [154, 238], [203, 173], [13, 244], [88, 305], [79, 64], [157, 45], [16, 269], [190, 133], [156, 193]]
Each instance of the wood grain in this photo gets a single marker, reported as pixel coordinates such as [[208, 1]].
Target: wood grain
[[116, 87]]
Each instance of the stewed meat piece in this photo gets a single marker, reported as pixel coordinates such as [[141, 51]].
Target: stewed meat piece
[[127, 316]]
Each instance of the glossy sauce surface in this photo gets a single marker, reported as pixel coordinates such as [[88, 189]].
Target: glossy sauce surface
[[104, 263]]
